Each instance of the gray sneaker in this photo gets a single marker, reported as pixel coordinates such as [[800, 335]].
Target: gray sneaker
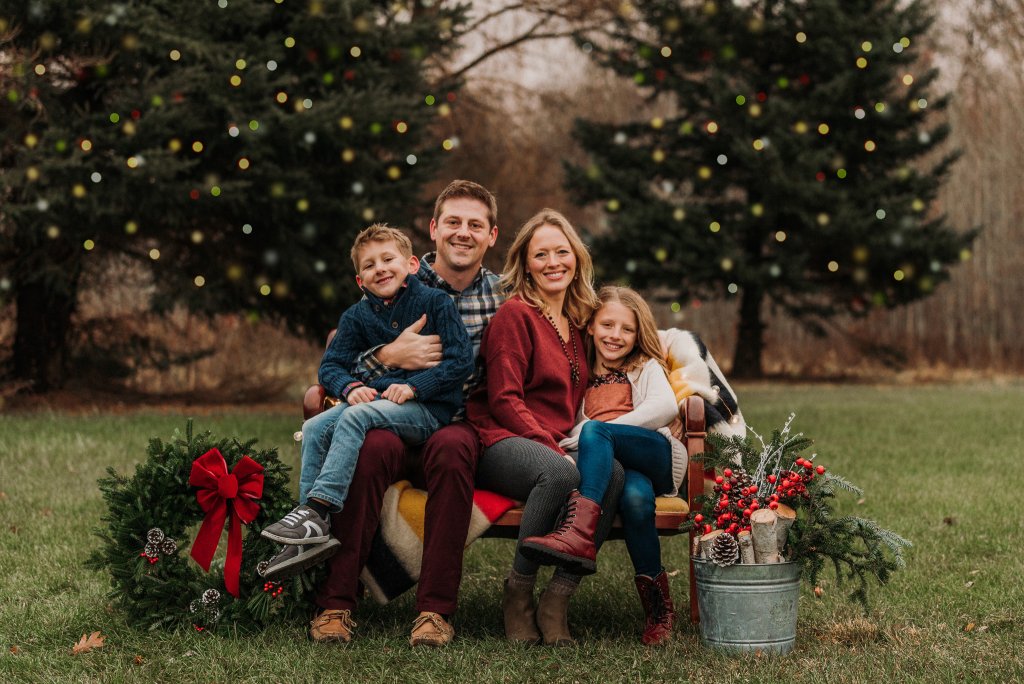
[[302, 526], [293, 559]]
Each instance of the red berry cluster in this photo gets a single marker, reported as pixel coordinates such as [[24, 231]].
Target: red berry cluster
[[274, 588], [151, 559], [737, 501], [793, 483]]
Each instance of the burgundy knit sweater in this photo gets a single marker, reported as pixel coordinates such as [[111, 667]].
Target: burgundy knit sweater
[[529, 390]]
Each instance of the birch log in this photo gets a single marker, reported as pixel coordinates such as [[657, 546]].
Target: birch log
[[695, 551], [706, 541], [762, 532], [787, 516], [746, 547]]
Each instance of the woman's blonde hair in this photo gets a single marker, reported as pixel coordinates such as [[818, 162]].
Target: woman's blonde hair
[[648, 344], [580, 298]]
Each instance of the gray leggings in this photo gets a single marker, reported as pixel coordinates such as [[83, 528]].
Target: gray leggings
[[531, 472]]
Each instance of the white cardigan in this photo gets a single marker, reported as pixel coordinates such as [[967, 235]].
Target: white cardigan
[[654, 408]]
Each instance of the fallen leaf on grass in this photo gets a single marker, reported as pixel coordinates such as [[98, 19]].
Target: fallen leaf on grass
[[818, 591], [88, 643], [15, 649], [3, 495], [949, 520], [969, 584], [46, 512], [969, 627], [861, 502], [983, 628], [14, 529], [974, 572], [673, 573], [138, 660]]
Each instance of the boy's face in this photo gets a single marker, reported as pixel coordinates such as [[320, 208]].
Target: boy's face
[[462, 233], [383, 268]]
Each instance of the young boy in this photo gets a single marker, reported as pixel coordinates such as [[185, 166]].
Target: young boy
[[412, 404]]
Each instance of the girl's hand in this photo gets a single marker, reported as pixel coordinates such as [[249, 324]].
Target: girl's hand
[[398, 393], [570, 443], [360, 395]]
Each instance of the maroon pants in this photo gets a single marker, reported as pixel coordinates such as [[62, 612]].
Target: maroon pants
[[445, 467]]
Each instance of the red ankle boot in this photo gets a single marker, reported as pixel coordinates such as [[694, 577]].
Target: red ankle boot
[[658, 609], [571, 546]]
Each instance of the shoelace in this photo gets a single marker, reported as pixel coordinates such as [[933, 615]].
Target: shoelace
[[342, 616], [657, 603], [570, 515], [293, 518], [432, 618]]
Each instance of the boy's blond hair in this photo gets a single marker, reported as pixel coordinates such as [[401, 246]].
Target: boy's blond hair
[[380, 232]]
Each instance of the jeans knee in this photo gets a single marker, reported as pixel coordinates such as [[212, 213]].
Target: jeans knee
[[594, 430]]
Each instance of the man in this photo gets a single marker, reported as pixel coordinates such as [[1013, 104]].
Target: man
[[463, 228]]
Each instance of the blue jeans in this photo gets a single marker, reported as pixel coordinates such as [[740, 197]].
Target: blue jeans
[[646, 457], [331, 442]]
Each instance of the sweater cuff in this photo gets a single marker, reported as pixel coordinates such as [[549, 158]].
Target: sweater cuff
[[349, 387]]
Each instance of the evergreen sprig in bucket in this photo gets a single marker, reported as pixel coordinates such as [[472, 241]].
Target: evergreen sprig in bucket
[[771, 505]]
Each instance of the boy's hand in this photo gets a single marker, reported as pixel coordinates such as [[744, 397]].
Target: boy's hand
[[398, 393], [360, 395], [412, 351]]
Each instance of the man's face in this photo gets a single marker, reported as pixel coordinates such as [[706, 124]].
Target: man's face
[[383, 268], [462, 234]]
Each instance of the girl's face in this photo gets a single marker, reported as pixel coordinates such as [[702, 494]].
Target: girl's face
[[614, 331], [550, 261]]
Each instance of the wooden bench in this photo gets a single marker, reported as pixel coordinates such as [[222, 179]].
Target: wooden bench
[[671, 512]]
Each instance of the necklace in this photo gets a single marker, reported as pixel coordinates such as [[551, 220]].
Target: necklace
[[574, 359]]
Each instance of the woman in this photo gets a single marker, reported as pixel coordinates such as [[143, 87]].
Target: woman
[[536, 376]]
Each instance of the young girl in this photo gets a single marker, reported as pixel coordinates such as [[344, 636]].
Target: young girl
[[627, 412]]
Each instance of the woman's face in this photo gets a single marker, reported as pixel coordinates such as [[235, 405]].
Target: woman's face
[[614, 331], [550, 261]]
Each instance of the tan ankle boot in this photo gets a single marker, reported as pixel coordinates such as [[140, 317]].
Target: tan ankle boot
[[520, 615], [553, 618]]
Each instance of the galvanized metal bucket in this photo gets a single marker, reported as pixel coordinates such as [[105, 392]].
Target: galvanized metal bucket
[[748, 607]]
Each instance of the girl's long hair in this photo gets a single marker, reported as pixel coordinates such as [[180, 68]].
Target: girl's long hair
[[580, 298], [648, 344]]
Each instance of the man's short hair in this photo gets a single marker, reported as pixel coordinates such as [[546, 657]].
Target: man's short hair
[[380, 232], [470, 190]]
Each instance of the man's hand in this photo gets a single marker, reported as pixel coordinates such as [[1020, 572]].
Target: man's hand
[[410, 350], [398, 393], [360, 395]]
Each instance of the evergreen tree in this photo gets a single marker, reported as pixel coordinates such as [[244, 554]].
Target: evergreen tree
[[796, 164], [235, 147]]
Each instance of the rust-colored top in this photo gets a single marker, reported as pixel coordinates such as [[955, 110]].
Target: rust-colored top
[[608, 396]]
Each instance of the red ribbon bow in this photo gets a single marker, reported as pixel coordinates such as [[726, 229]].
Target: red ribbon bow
[[222, 494]]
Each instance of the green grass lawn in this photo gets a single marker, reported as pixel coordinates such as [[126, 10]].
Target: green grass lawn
[[940, 465]]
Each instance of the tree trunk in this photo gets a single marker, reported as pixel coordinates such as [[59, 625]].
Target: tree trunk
[[746, 361], [41, 340]]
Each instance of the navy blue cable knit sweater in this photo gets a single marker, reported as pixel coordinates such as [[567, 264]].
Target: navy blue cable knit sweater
[[371, 322]]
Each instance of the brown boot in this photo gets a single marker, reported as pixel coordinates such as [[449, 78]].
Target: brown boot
[[571, 546], [553, 613], [658, 609], [520, 615]]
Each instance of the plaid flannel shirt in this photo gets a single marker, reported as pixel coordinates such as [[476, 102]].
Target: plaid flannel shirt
[[476, 304]]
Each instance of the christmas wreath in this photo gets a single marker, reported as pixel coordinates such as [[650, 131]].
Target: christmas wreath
[[771, 504], [165, 524]]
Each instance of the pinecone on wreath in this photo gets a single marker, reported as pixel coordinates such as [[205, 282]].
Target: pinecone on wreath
[[725, 550]]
